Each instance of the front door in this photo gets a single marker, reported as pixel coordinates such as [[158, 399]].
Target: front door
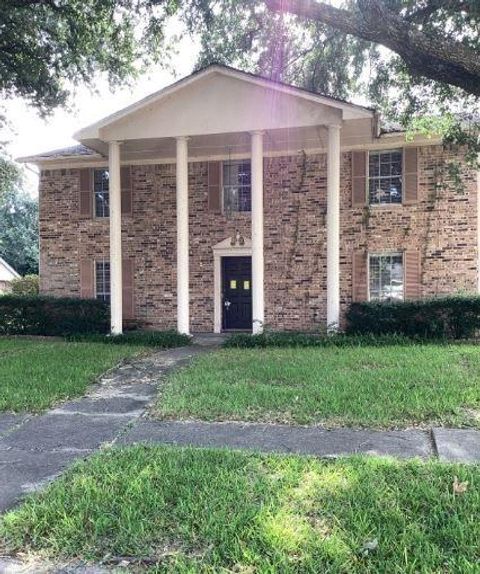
[[237, 293]]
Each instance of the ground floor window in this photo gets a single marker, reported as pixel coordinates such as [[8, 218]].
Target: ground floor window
[[386, 278], [102, 281]]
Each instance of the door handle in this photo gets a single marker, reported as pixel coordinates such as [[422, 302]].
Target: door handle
[[227, 304]]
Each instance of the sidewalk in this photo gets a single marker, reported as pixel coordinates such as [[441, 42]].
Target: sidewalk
[[35, 449], [449, 445]]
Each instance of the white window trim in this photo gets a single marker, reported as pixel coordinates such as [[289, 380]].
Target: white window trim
[[222, 189], [94, 198], [367, 179], [95, 261], [384, 254]]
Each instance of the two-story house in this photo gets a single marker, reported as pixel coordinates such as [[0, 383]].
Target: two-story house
[[227, 201]]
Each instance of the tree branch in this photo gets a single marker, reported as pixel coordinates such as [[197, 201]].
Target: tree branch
[[422, 14], [425, 54]]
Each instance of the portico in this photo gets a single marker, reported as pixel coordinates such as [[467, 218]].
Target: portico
[[211, 115]]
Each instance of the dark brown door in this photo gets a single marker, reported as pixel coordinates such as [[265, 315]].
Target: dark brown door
[[237, 292]]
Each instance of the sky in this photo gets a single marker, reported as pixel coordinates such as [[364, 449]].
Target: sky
[[29, 134]]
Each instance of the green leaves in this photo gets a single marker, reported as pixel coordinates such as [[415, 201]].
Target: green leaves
[[18, 221], [46, 48]]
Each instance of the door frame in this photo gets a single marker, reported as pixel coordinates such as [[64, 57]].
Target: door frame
[[226, 248]]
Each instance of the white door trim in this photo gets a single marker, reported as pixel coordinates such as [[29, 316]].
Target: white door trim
[[231, 247]]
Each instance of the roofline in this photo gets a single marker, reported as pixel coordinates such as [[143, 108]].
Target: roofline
[[9, 267], [85, 133], [38, 158]]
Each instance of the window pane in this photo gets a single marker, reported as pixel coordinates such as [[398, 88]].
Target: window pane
[[101, 185], [237, 179], [386, 277], [385, 177], [102, 280]]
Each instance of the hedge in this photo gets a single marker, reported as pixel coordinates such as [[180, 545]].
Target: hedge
[[27, 285], [51, 316], [156, 339], [294, 339], [452, 317]]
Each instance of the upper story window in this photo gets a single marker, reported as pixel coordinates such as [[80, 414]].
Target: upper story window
[[385, 177], [102, 280], [101, 192], [386, 278], [237, 186]]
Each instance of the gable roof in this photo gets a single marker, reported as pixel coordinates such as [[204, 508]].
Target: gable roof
[[349, 109]]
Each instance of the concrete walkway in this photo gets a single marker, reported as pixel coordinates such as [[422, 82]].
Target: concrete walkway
[[449, 445], [35, 449]]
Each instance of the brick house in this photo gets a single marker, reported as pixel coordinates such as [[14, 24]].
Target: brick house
[[228, 201]]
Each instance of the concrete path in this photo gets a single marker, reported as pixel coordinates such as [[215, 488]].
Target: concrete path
[[448, 444], [35, 449]]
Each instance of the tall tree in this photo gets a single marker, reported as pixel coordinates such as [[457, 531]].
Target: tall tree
[[18, 221], [410, 58], [436, 39], [49, 46]]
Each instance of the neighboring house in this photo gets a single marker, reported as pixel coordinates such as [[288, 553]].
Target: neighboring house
[[248, 202], [7, 273]]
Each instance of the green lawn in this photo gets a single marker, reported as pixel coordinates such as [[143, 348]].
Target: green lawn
[[386, 386], [36, 374], [193, 511]]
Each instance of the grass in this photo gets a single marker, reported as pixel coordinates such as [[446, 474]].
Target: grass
[[382, 387], [36, 374], [203, 511]]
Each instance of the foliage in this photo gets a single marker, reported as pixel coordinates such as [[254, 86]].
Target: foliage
[[454, 317], [243, 33], [293, 339], [28, 285], [322, 57], [389, 386], [37, 373], [47, 48], [158, 339], [18, 221], [184, 510], [51, 316]]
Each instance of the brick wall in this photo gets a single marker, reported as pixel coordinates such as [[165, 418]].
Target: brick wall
[[441, 226]]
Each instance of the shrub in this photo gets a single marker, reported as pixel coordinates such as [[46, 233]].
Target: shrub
[[158, 339], [50, 316], [292, 339], [452, 317], [28, 285]]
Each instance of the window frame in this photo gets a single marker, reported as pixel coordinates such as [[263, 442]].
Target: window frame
[[103, 295], [385, 254], [94, 194], [223, 187], [369, 177]]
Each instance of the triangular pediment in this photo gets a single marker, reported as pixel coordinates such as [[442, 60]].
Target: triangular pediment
[[220, 100]]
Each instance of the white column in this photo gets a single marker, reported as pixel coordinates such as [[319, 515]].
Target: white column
[[257, 233], [333, 229], [183, 319], [115, 238]]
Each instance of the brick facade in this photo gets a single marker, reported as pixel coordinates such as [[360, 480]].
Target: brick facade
[[441, 226]]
